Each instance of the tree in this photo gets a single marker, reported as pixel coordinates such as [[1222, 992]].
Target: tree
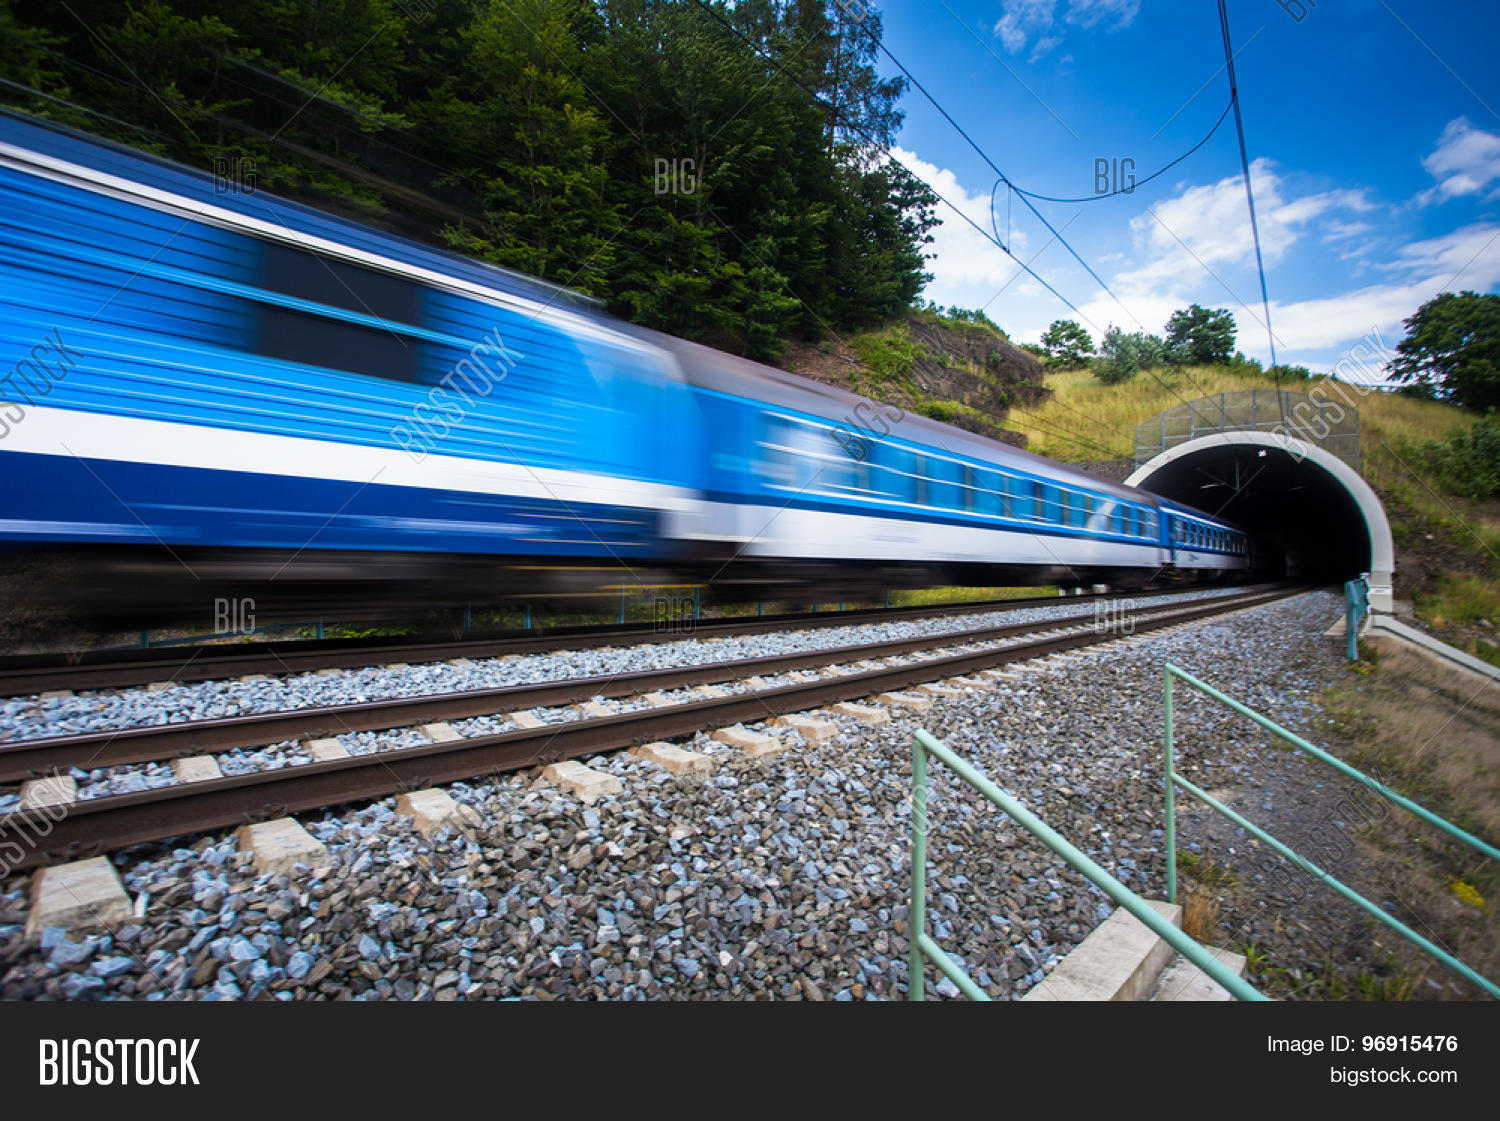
[[1452, 351], [1067, 344], [1119, 357], [1151, 350], [1198, 336]]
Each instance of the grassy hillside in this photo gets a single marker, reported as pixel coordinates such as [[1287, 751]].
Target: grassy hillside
[[1447, 547]]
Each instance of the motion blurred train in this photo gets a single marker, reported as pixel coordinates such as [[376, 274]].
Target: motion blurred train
[[206, 390]]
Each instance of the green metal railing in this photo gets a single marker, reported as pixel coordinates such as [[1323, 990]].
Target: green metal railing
[[922, 944], [1356, 607], [1173, 780]]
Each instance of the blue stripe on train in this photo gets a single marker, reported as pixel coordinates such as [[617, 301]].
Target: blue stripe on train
[[57, 498]]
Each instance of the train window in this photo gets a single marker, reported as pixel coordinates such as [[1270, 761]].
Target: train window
[[315, 340], [991, 492], [777, 466], [1010, 493], [970, 488], [943, 487], [919, 479], [1080, 510]]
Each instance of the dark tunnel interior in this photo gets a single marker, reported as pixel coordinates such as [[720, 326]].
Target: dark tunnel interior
[[1302, 521]]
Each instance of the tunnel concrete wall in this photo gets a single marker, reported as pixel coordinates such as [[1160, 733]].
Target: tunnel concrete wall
[[1382, 547]]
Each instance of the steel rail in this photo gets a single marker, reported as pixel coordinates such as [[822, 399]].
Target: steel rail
[[21, 674], [90, 750], [96, 825]]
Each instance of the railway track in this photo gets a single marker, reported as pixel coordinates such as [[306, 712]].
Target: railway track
[[90, 826], [104, 669]]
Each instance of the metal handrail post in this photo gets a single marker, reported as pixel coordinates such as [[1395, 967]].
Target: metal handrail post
[[916, 919], [1356, 604], [1171, 831]]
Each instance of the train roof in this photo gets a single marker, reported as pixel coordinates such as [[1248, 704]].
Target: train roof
[[1183, 508], [727, 373], [105, 156]]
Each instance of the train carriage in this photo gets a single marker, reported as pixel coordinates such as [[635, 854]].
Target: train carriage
[[210, 389]]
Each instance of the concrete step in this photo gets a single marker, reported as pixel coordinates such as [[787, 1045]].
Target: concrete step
[[1121, 960], [1182, 980]]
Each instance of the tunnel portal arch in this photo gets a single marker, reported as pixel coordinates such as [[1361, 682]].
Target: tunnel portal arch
[[1309, 512]]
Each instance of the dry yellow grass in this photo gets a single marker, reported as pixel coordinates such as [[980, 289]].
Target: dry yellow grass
[[1088, 420], [1200, 915]]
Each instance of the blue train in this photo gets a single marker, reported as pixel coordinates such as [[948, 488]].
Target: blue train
[[210, 388]]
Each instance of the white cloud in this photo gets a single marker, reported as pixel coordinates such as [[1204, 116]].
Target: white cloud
[[1213, 227], [1088, 13], [1209, 226], [1334, 230], [1021, 20], [1465, 162], [1468, 258], [1035, 21], [965, 258], [1043, 46]]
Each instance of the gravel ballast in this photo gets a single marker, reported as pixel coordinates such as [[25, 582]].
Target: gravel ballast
[[778, 878], [23, 718]]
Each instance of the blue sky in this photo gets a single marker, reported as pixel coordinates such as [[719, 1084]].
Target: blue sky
[[1371, 125]]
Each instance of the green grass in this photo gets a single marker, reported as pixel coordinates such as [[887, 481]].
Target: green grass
[[889, 356], [933, 597], [1461, 599]]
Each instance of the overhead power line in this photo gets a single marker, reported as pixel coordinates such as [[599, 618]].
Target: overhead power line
[[1005, 178], [1139, 182], [1239, 127]]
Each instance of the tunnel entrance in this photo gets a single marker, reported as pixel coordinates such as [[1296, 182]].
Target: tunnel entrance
[[1308, 513]]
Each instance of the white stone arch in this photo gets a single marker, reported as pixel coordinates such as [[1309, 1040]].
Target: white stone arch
[[1382, 547]]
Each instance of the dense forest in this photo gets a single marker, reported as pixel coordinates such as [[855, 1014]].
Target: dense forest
[[709, 169]]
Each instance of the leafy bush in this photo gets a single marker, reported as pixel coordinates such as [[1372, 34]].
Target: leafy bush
[[889, 355], [1290, 373], [1244, 366], [1119, 357], [948, 412], [956, 314], [1151, 350], [1466, 463]]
